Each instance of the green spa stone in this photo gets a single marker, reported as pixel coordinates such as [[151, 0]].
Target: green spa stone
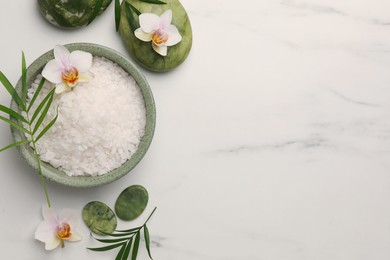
[[69, 14], [143, 51], [99, 217], [131, 202]]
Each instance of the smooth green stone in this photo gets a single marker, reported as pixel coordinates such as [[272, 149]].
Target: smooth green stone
[[99, 217], [69, 14], [143, 51], [131, 202]]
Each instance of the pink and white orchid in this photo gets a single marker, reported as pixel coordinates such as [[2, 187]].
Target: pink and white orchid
[[57, 227], [159, 30], [67, 69]]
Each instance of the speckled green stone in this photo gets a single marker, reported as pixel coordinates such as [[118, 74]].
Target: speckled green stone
[[69, 14], [99, 217], [143, 51], [131, 202]]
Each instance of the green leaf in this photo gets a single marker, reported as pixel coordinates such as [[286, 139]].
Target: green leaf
[[43, 115], [41, 105], [127, 250], [12, 113], [110, 241], [14, 144], [49, 125], [130, 17], [117, 14], [147, 240], [36, 93], [21, 128], [106, 248], [24, 79], [120, 253], [11, 90], [96, 10], [135, 246], [133, 8], [116, 235], [157, 2], [131, 230]]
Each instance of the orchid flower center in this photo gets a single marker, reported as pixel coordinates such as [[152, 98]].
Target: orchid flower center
[[159, 37], [63, 232], [70, 76]]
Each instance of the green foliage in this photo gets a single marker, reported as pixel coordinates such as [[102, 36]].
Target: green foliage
[[24, 123], [129, 241], [117, 14], [129, 8]]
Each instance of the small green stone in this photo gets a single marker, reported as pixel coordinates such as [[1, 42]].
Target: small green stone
[[69, 14], [143, 51], [99, 217], [131, 202]]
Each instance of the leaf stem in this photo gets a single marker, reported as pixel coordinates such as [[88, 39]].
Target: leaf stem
[[150, 216], [39, 163]]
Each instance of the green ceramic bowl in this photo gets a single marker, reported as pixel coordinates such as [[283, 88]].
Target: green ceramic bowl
[[58, 176]]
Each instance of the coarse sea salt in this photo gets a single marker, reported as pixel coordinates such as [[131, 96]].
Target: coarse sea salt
[[100, 122]]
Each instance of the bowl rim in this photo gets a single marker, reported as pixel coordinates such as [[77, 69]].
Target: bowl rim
[[56, 175]]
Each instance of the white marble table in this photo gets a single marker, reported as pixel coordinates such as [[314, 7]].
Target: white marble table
[[272, 139]]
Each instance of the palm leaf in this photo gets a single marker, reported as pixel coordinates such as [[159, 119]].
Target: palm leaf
[[12, 123], [112, 240], [49, 125], [43, 114], [138, 12], [11, 90], [135, 246], [130, 17], [147, 240], [120, 253], [116, 235], [14, 144], [41, 105], [24, 79], [36, 93], [157, 2], [106, 248], [117, 14], [131, 230], [13, 113], [127, 250]]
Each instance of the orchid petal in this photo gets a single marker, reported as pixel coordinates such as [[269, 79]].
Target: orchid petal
[[69, 216], [81, 60], [62, 87], [162, 50], [75, 237], [45, 232], [61, 55], [86, 76], [49, 215], [165, 19], [146, 37], [174, 36], [53, 72], [50, 245], [149, 22]]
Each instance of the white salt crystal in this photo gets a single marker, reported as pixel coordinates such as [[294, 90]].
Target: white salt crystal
[[100, 122]]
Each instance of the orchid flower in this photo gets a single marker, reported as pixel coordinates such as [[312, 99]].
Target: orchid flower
[[159, 30], [67, 69], [57, 227]]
